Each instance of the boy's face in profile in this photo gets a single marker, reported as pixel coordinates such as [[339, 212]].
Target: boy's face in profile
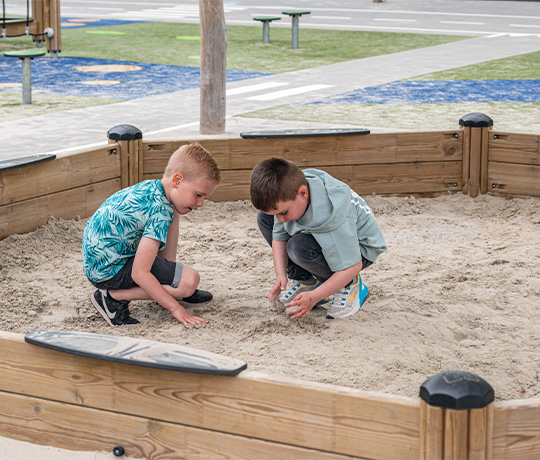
[[186, 196], [294, 209]]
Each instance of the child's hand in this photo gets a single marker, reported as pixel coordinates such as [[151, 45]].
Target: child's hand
[[279, 285], [301, 305], [187, 319]]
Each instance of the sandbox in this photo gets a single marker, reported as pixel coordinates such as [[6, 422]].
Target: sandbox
[[77, 403]]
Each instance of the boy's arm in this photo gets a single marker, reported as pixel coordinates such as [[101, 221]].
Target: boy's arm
[[307, 300], [144, 259], [279, 253], [171, 243]]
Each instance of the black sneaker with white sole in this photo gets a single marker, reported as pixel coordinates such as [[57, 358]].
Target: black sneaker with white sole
[[115, 312], [197, 298]]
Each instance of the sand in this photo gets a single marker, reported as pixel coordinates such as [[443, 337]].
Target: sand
[[459, 288]]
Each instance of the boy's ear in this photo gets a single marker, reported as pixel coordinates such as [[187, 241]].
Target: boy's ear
[[177, 178], [303, 192]]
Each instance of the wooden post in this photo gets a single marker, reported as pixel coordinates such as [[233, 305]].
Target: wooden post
[[213, 66], [476, 128], [456, 417], [54, 43], [130, 145]]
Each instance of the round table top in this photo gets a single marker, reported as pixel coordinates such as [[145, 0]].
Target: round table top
[[296, 12], [21, 54]]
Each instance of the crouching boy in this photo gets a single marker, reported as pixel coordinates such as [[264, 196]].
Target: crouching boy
[[130, 243], [322, 235]]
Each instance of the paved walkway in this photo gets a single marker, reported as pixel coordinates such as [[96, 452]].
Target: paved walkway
[[175, 115]]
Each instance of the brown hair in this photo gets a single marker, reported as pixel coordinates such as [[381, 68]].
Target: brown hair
[[274, 180], [193, 161]]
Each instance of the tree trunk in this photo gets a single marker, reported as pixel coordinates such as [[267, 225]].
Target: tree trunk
[[213, 66]]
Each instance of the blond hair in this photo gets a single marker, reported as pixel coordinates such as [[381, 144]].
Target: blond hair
[[193, 161]]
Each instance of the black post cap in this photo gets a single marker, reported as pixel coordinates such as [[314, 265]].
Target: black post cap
[[476, 120], [457, 390], [124, 133]]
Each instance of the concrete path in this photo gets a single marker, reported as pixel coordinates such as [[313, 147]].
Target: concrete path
[[175, 115]]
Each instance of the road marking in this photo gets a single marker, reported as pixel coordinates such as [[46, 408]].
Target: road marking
[[250, 89], [524, 25], [288, 92], [464, 22], [347, 18], [381, 28], [395, 20]]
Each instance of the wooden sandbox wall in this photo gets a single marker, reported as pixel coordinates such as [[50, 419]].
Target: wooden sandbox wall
[[78, 403]]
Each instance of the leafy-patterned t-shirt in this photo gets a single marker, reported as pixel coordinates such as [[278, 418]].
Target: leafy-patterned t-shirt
[[113, 233]]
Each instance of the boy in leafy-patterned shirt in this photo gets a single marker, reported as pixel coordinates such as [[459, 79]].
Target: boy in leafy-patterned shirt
[[129, 244]]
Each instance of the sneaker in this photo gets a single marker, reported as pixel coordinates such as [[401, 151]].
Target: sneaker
[[296, 288], [115, 312], [348, 300], [197, 298]]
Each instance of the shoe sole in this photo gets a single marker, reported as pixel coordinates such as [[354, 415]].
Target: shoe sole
[[100, 310], [352, 312]]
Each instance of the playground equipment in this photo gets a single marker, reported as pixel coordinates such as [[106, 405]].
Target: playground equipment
[[42, 25], [26, 57], [79, 403]]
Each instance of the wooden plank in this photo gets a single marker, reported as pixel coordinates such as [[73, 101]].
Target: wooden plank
[[456, 426], [380, 179], [274, 408], [431, 432], [400, 178], [514, 148], [363, 426], [484, 157], [355, 150], [466, 159], [63, 173], [514, 179], [516, 433], [18, 28], [157, 154], [480, 433], [28, 215], [67, 426], [475, 162]]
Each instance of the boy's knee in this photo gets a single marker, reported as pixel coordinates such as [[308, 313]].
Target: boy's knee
[[189, 281], [298, 251]]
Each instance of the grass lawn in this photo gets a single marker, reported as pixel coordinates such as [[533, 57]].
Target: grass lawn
[[510, 117], [157, 43]]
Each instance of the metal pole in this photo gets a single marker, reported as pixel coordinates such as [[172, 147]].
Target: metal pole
[[27, 80], [266, 32], [295, 20]]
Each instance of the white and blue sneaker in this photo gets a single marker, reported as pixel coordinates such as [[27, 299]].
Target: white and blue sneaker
[[348, 300], [297, 287]]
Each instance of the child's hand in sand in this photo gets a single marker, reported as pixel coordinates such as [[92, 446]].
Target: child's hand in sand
[[187, 319], [301, 305], [279, 285]]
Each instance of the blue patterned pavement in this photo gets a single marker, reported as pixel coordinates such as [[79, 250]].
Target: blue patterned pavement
[[441, 92], [64, 76]]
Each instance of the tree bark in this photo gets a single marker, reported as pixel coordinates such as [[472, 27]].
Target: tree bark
[[213, 66]]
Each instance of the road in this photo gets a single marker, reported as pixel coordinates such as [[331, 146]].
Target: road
[[457, 17]]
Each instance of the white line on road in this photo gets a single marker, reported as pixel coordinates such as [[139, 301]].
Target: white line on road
[[250, 89], [288, 92], [464, 23], [332, 17], [524, 25], [395, 20]]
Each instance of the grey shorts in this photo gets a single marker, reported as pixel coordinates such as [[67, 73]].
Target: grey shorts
[[165, 271]]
